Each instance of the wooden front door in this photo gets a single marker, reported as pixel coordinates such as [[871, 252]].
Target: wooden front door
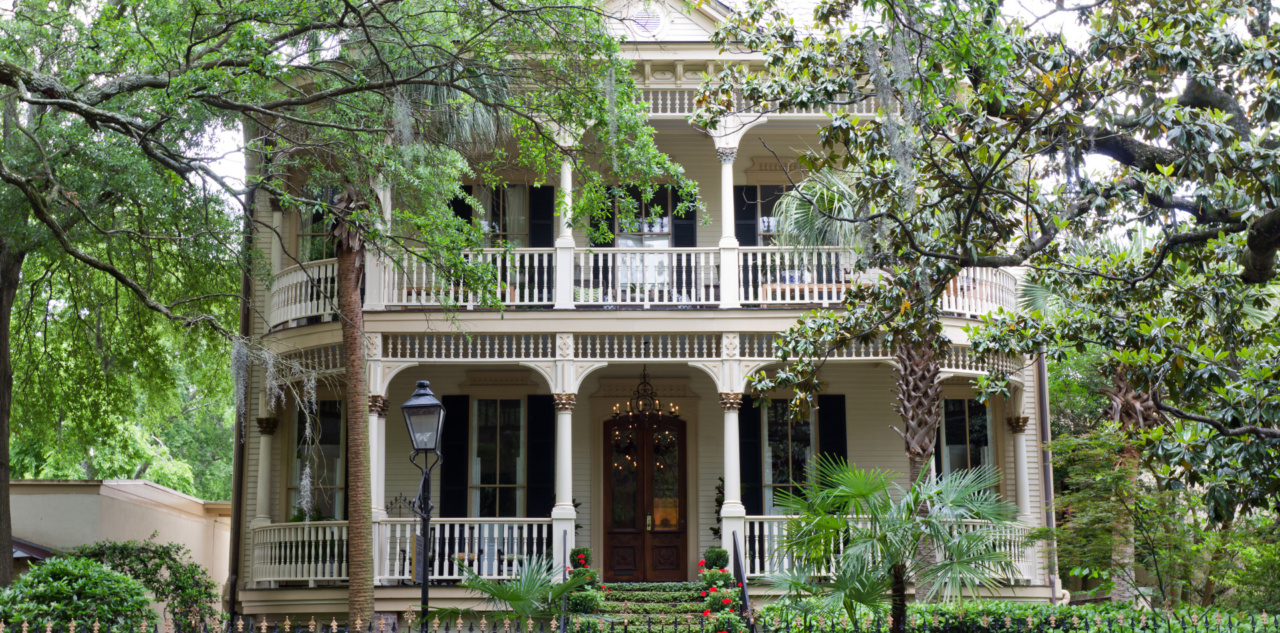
[[644, 500]]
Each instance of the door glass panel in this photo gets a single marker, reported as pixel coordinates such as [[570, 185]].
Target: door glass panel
[[625, 463], [666, 478]]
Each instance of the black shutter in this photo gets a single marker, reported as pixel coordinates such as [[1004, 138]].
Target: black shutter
[[684, 229], [744, 215], [456, 445], [750, 457], [832, 432], [540, 464], [542, 217], [461, 207]]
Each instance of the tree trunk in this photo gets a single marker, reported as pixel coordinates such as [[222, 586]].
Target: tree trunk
[[10, 270], [898, 599], [1210, 582], [1122, 572], [360, 507], [919, 406]]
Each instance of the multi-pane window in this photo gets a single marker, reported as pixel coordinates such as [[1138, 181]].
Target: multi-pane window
[[505, 214], [964, 437], [651, 227], [754, 220], [318, 479], [498, 463], [315, 240], [788, 446]]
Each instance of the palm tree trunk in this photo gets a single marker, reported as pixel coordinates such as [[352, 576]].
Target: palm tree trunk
[[898, 599], [919, 407], [360, 507]]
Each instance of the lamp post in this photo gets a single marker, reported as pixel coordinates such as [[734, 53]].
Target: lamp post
[[424, 416]]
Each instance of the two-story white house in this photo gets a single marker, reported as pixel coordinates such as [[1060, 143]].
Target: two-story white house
[[534, 457]]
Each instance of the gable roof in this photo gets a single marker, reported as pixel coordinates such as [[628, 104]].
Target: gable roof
[[666, 20]]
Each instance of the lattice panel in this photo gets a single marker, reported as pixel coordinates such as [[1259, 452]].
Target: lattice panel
[[464, 347]]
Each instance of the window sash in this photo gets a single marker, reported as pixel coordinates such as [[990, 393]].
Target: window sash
[[964, 435], [504, 215], [498, 462], [329, 477], [775, 419], [652, 227]]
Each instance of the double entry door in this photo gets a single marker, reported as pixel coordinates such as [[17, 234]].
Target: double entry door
[[644, 499]]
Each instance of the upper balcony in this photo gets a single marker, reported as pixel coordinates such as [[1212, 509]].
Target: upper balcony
[[620, 279]]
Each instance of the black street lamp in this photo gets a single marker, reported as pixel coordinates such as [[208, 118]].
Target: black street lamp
[[424, 416]]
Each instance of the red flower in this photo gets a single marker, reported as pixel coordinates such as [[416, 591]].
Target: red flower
[[726, 601], [704, 594], [701, 563], [739, 584], [722, 570], [713, 589], [706, 613], [585, 566], [702, 571], [567, 567], [607, 591]]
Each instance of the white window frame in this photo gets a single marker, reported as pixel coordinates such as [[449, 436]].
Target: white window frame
[[988, 456], [295, 464]]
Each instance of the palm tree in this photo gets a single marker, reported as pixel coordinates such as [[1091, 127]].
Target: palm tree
[[534, 593], [859, 536]]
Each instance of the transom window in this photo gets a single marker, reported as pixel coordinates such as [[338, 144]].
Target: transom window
[[964, 440], [318, 477], [788, 447], [498, 461], [652, 225], [505, 214]]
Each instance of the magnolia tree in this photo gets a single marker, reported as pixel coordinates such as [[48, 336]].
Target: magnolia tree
[[109, 109]]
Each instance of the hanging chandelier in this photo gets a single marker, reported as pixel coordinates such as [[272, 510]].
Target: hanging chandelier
[[644, 402]]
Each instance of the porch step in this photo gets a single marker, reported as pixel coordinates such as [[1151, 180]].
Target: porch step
[[658, 606]]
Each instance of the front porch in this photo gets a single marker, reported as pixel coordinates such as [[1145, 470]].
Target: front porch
[[560, 394]]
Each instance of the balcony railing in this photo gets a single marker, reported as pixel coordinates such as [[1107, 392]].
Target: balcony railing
[[646, 277], [526, 277], [764, 535], [626, 278], [307, 290], [316, 553]]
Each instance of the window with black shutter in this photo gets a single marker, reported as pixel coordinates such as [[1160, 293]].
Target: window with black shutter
[[453, 472], [542, 217]]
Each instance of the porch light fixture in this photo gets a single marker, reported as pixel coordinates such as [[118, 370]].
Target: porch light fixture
[[644, 402], [424, 415]]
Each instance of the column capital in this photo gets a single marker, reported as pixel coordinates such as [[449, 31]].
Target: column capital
[[1017, 424], [731, 401], [727, 155], [564, 401], [267, 426], [378, 406]]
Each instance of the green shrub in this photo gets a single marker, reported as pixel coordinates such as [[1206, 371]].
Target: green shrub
[[716, 558], [592, 575], [588, 601], [718, 579], [165, 569], [580, 557], [728, 622], [71, 588], [1257, 581], [715, 601]]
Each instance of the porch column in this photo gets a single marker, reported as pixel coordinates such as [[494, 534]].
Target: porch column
[[378, 455], [276, 236], [729, 297], [563, 514], [564, 242], [262, 501], [732, 513], [1018, 429]]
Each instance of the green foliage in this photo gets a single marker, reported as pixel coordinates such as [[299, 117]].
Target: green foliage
[[580, 557], [1076, 401], [990, 615], [588, 576], [716, 558], [63, 589], [535, 592], [588, 601], [1256, 582], [728, 622], [722, 600], [166, 570], [717, 578], [869, 533]]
